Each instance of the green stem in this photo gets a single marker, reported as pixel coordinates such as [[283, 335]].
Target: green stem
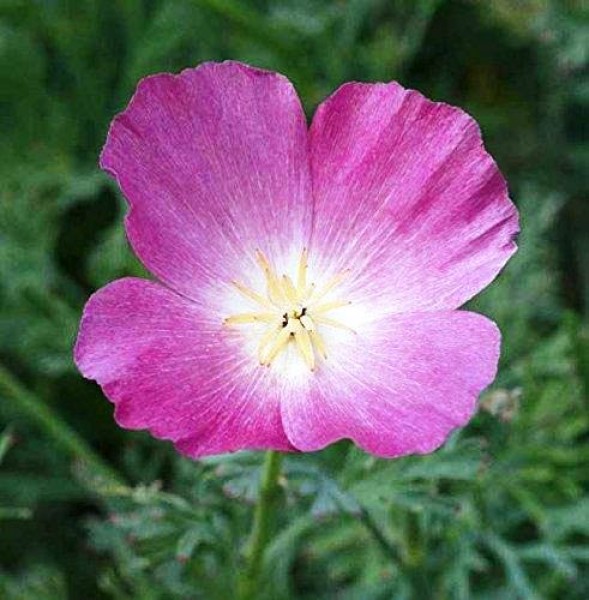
[[64, 436], [264, 517]]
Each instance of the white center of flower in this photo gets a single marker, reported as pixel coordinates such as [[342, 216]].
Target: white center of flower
[[294, 312]]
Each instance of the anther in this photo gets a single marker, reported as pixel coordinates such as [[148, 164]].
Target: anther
[[306, 310]]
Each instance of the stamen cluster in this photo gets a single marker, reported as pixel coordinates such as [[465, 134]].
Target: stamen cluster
[[294, 311]]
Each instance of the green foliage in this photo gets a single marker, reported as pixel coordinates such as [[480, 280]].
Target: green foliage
[[501, 511]]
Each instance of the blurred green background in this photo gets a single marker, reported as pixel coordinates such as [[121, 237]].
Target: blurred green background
[[90, 511]]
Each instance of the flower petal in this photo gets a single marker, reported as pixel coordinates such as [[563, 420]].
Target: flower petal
[[212, 161], [167, 367], [398, 389], [407, 197]]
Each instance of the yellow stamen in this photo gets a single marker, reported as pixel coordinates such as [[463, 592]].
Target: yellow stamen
[[280, 342], [294, 313], [251, 318], [274, 288], [267, 338], [252, 295], [289, 289], [319, 343], [307, 322], [305, 347]]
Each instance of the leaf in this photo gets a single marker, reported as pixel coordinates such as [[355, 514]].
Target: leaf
[[565, 520], [514, 570]]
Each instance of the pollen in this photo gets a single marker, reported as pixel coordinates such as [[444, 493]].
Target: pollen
[[292, 311]]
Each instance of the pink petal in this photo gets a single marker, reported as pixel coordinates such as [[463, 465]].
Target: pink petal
[[407, 197], [172, 368], [400, 388], [213, 162]]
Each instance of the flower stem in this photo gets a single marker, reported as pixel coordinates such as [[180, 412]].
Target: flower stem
[[264, 517]]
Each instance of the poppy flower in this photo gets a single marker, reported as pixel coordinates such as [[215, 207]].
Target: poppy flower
[[308, 279]]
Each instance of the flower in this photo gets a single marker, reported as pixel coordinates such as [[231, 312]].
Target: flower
[[309, 280]]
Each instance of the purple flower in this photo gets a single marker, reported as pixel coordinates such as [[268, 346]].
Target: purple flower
[[309, 279]]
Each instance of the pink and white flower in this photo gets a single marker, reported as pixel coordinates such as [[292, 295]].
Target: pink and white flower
[[309, 279]]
